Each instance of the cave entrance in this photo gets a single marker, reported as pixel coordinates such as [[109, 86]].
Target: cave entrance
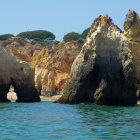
[[12, 95]]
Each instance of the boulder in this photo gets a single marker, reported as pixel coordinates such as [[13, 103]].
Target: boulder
[[104, 72], [20, 75]]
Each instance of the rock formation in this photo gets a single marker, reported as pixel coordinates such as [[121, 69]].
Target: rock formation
[[132, 32], [22, 48], [52, 63], [104, 71], [132, 26], [20, 75], [52, 66]]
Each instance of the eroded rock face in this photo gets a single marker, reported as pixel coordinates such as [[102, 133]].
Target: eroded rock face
[[50, 81], [132, 26], [52, 63], [132, 32], [104, 71], [20, 75]]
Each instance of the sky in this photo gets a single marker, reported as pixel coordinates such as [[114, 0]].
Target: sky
[[60, 16]]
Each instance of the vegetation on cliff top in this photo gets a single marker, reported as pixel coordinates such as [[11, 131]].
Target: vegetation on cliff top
[[42, 37], [76, 36], [71, 36], [5, 36], [39, 35], [85, 33]]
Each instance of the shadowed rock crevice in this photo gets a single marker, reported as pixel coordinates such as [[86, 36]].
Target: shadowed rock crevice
[[25, 92], [104, 72], [4, 89]]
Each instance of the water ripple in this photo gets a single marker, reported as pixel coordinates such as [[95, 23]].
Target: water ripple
[[46, 120]]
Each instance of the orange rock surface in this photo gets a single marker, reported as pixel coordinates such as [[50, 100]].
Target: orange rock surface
[[52, 63], [132, 33]]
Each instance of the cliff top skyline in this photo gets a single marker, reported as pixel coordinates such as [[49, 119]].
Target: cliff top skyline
[[60, 17]]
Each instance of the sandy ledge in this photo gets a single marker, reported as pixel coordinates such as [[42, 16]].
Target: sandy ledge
[[54, 98]]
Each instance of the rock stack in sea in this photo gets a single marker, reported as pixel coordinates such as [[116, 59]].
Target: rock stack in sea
[[104, 72], [132, 32], [20, 75]]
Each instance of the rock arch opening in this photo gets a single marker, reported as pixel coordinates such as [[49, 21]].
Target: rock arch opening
[[20, 91], [18, 73], [12, 95]]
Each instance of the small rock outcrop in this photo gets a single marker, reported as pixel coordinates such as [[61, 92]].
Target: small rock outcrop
[[20, 75], [104, 72]]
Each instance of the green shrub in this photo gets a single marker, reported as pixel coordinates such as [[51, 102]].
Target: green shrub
[[37, 35], [5, 43], [71, 36], [5, 36], [85, 33]]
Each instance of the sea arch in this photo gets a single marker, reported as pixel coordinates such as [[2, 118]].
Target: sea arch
[[20, 75]]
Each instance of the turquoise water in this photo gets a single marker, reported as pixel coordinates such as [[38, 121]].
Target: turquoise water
[[50, 121]]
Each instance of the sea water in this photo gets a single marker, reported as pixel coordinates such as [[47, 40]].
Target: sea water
[[50, 121]]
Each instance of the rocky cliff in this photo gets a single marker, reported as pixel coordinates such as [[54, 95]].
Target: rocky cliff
[[20, 75], [104, 71], [22, 48], [132, 32], [52, 63], [132, 26]]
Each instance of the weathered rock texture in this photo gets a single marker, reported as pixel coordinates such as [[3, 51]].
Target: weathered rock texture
[[53, 66], [22, 48], [104, 71], [20, 75], [52, 63], [132, 26], [132, 32]]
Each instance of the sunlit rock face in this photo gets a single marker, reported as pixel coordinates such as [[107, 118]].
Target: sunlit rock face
[[104, 72], [132, 26], [132, 32], [20, 75], [52, 63], [50, 81]]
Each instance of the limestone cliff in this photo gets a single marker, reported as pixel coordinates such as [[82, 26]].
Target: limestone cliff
[[20, 75], [132, 32], [104, 71], [22, 48], [52, 63], [132, 26]]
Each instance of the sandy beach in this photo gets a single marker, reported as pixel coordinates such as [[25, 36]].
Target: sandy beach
[[54, 98]]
